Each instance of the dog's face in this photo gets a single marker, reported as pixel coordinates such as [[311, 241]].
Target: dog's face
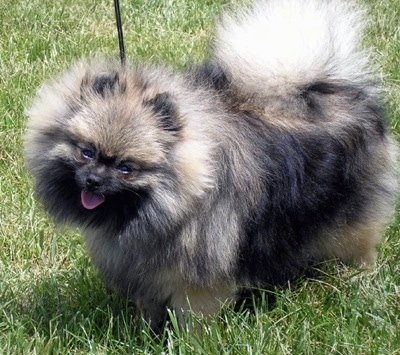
[[98, 176], [111, 149], [104, 143]]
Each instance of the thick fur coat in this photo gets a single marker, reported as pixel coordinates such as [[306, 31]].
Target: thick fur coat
[[191, 187]]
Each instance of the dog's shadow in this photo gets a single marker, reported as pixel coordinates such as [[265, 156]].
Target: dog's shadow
[[76, 303]]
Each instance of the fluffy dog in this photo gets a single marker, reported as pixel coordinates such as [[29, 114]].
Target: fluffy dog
[[191, 187]]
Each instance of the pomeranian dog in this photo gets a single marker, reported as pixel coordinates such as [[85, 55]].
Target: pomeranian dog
[[191, 187]]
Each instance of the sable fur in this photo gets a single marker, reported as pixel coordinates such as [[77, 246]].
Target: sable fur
[[238, 173]]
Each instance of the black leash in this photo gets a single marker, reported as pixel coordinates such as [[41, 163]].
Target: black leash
[[120, 33]]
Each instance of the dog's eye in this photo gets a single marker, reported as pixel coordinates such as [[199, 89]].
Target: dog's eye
[[124, 168], [87, 153]]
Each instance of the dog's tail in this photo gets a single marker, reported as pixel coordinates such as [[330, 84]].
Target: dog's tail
[[281, 48]]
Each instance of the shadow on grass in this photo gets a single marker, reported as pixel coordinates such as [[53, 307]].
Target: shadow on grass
[[74, 307], [64, 307]]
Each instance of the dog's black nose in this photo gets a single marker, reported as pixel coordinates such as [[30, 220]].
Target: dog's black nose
[[93, 181]]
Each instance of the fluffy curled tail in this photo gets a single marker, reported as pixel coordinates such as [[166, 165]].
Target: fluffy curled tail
[[280, 47]]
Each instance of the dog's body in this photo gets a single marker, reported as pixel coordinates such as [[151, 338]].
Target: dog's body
[[236, 174]]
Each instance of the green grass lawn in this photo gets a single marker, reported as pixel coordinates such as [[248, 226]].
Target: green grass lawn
[[52, 299]]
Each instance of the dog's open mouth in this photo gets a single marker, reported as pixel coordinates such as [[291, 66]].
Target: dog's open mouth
[[90, 200]]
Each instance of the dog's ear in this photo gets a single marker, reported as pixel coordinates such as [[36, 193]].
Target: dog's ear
[[104, 82], [100, 84], [165, 108]]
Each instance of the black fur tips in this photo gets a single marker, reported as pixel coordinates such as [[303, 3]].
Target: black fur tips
[[105, 82], [213, 75], [165, 109]]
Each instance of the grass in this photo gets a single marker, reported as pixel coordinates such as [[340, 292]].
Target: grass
[[52, 299]]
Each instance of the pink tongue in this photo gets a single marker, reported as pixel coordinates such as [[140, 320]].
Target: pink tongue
[[91, 200]]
